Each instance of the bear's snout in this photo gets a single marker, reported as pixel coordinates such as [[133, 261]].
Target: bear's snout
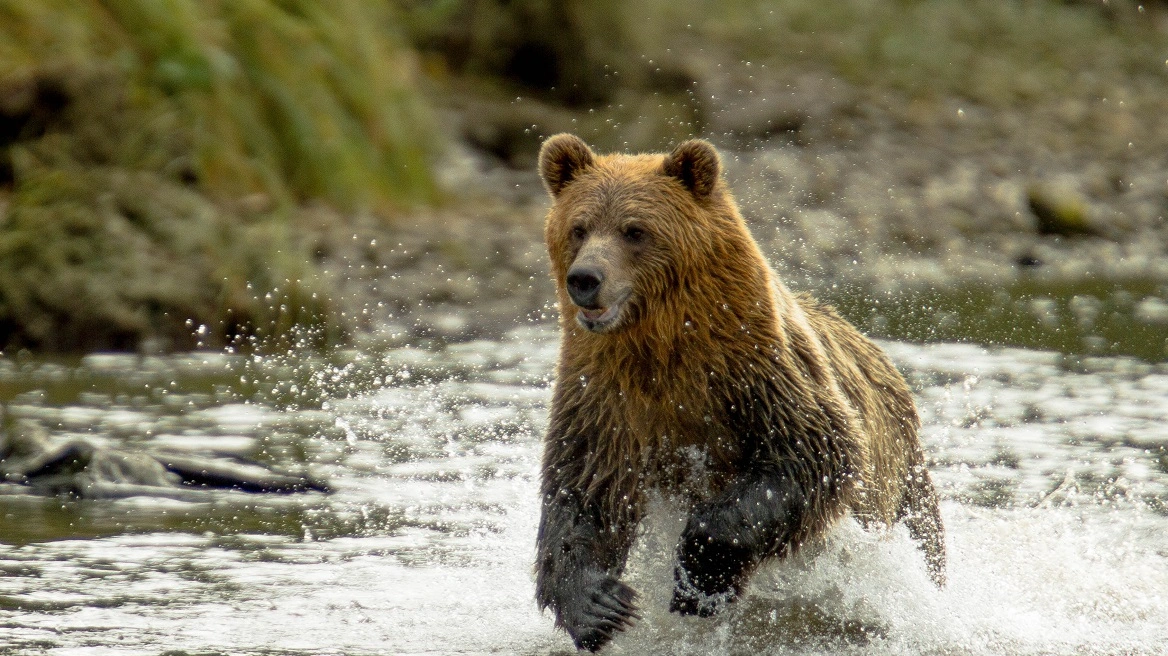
[[584, 285]]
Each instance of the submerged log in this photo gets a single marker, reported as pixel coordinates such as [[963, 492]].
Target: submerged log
[[247, 476], [28, 457]]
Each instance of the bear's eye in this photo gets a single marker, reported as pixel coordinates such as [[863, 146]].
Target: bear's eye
[[579, 232], [634, 234]]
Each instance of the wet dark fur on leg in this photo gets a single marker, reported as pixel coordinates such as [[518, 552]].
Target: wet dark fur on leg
[[724, 540], [580, 562]]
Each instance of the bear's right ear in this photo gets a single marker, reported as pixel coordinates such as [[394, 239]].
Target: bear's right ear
[[695, 163], [562, 159]]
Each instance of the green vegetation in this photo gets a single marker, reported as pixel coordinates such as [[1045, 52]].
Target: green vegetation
[[640, 75], [567, 50], [154, 154], [158, 158], [295, 99], [993, 52]]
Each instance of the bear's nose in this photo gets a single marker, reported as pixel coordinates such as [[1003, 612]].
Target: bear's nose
[[584, 285]]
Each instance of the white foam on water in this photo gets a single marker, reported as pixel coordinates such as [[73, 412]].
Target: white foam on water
[[437, 482], [1026, 581]]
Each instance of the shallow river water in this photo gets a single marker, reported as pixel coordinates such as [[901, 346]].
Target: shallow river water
[[1053, 473]]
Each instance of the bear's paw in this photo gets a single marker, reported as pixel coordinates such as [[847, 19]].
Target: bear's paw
[[602, 608]]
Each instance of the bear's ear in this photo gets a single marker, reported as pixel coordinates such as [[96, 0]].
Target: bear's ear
[[562, 159], [696, 164]]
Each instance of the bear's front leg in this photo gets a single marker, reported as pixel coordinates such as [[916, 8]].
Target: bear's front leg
[[577, 573], [727, 537]]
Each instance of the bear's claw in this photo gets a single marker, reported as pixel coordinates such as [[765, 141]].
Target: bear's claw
[[604, 608]]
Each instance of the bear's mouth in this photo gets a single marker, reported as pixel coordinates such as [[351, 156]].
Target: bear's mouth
[[601, 319]]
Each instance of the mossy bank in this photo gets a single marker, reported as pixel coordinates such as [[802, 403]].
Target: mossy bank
[[159, 160]]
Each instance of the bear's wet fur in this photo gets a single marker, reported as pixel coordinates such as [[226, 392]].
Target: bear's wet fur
[[687, 367]]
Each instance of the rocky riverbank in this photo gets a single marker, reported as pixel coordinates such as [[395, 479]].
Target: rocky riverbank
[[924, 221]]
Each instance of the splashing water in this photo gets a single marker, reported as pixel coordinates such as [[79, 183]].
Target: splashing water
[[1053, 473]]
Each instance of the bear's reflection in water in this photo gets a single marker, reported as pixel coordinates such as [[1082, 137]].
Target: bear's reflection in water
[[31, 458]]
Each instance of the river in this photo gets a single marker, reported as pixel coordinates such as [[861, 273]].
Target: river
[[1053, 472]]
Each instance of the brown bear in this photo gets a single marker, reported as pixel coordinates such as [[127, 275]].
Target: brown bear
[[687, 367]]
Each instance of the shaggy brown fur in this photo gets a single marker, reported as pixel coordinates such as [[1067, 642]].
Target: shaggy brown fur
[[687, 366]]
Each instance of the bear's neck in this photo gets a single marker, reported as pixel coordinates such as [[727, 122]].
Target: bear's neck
[[662, 386]]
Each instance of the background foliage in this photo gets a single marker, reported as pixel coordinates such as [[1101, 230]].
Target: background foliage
[[169, 163]]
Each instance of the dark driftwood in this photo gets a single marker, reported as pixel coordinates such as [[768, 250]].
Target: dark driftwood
[[79, 468], [237, 475]]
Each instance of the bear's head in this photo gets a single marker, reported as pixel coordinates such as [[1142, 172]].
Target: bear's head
[[650, 241]]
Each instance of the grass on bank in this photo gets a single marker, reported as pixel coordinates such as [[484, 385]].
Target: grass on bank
[[296, 99], [155, 156]]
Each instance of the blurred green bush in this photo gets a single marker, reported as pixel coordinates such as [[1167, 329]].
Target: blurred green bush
[[154, 155], [293, 98]]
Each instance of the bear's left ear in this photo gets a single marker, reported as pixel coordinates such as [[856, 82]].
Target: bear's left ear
[[562, 158], [696, 164]]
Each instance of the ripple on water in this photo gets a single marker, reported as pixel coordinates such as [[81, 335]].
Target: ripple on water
[[1053, 475]]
